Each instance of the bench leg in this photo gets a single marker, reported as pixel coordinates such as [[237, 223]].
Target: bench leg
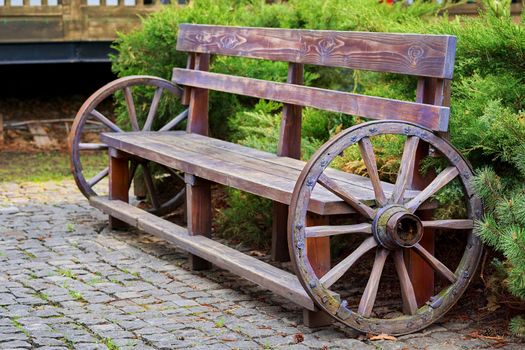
[[118, 183], [318, 250], [198, 196], [421, 274], [280, 250]]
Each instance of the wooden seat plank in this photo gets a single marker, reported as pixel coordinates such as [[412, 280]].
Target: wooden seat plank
[[201, 145], [230, 174], [351, 179], [226, 163]]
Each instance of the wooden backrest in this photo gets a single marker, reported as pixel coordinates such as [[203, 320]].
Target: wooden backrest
[[430, 57], [430, 116], [414, 54]]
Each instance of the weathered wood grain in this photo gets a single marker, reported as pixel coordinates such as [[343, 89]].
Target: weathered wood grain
[[435, 263], [198, 108], [118, 183], [318, 251], [407, 290], [349, 198], [350, 179], [199, 212], [327, 230], [198, 190], [132, 112], [414, 54], [289, 146], [278, 281], [435, 92], [452, 224], [432, 117], [257, 172], [340, 269], [406, 169], [369, 158], [438, 183], [369, 295], [153, 109]]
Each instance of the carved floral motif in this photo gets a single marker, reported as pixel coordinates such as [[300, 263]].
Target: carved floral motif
[[415, 52]]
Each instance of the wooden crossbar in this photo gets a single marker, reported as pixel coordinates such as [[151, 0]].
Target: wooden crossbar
[[430, 116], [413, 54], [278, 281]]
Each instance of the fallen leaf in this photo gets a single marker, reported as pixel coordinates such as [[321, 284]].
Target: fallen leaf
[[382, 336], [298, 338], [257, 253], [475, 334]]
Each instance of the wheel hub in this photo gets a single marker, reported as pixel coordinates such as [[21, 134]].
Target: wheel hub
[[395, 227]]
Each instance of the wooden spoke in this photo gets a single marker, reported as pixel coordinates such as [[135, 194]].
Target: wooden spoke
[[92, 146], [150, 186], [104, 120], [338, 190], [323, 231], [176, 175], [435, 263], [369, 296], [438, 183], [132, 171], [173, 123], [369, 157], [96, 179], [153, 109], [454, 224], [407, 290], [339, 270], [131, 108], [406, 169]]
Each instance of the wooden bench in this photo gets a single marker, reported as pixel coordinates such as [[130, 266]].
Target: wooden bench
[[302, 209]]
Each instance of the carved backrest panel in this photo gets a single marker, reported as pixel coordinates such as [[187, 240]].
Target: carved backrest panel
[[413, 54]]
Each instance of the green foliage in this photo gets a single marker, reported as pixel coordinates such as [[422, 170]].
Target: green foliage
[[52, 166], [248, 219], [503, 228], [517, 325], [499, 8]]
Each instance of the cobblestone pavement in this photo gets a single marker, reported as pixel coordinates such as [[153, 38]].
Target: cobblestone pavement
[[68, 283]]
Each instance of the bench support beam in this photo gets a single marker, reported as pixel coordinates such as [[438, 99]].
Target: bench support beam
[[198, 196], [436, 92], [318, 250], [118, 183], [289, 146], [198, 190]]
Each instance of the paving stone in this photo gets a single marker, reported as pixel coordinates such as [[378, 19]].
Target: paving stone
[[442, 347], [10, 345]]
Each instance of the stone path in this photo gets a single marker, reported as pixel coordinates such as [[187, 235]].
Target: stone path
[[68, 283]]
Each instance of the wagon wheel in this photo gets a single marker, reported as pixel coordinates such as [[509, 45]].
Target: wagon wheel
[[390, 227], [82, 140]]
